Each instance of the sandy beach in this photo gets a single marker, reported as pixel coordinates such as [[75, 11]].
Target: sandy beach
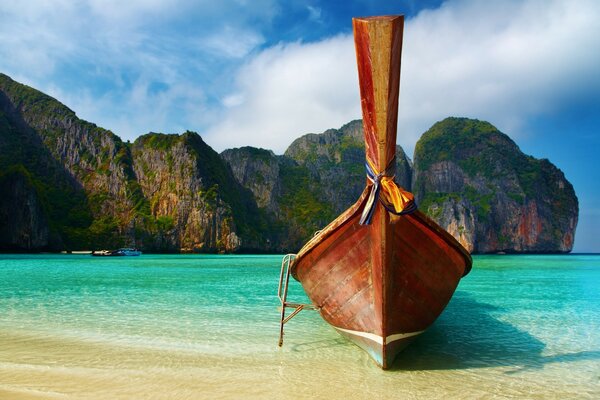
[[186, 327]]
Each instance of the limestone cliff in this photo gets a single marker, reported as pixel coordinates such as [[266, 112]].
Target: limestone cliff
[[192, 195], [319, 177], [288, 198], [477, 184], [23, 225], [257, 170], [336, 160], [175, 194], [64, 207], [69, 184]]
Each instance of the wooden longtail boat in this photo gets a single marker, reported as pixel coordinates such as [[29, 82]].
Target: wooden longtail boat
[[382, 272]]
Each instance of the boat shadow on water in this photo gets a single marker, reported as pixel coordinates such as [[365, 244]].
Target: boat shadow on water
[[467, 336], [317, 345]]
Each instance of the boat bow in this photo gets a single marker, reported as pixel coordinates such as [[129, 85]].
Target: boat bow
[[381, 272]]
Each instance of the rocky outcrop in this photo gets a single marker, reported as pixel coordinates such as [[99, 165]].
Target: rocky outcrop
[[287, 196], [477, 184], [23, 225], [258, 171], [188, 203], [175, 196], [22, 148], [335, 159], [93, 158], [319, 177], [78, 186]]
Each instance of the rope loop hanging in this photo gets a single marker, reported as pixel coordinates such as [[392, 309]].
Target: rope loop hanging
[[383, 188]]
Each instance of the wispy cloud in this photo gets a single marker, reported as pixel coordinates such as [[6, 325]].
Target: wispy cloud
[[132, 66], [158, 65], [232, 42], [259, 72], [288, 90], [314, 13], [500, 61]]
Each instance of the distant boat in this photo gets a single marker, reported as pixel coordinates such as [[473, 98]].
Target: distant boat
[[125, 251], [381, 272], [129, 251]]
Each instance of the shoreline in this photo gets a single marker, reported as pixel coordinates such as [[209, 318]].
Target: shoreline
[[84, 252], [162, 327]]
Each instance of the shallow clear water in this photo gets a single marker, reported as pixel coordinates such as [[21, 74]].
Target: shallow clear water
[[179, 327]]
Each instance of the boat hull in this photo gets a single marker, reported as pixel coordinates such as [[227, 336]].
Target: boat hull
[[381, 285], [381, 273]]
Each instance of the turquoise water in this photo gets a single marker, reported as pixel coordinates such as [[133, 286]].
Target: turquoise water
[[202, 326]]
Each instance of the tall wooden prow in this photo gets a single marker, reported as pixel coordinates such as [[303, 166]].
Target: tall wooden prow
[[381, 272]]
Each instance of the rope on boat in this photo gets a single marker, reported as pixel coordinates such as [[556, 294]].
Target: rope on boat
[[383, 188]]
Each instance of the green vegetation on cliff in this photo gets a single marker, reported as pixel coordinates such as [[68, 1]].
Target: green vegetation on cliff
[[301, 206], [248, 220], [514, 201], [479, 148], [81, 186], [22, 152]]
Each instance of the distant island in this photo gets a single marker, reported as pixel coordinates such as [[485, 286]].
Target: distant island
[[68, 184]]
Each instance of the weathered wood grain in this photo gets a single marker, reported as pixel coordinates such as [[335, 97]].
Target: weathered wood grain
[[380, 284]]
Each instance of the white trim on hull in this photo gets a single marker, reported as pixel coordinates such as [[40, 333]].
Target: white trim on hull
[[383, 353], [379, 339]]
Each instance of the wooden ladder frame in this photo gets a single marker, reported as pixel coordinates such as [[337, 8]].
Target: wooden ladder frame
[[282, 292]]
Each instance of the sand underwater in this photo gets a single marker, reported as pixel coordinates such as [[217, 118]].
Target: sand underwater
[[206, 326]]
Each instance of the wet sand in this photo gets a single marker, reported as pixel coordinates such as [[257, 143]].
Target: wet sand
[[33, 367], [200, 327]]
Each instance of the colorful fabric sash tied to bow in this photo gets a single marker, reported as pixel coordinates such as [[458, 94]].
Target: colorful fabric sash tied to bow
[[383, 188]]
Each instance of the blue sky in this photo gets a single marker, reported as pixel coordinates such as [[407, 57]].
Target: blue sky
[[263, 72]]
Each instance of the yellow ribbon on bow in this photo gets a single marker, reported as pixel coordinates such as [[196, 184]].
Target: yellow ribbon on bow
[[395, 199]]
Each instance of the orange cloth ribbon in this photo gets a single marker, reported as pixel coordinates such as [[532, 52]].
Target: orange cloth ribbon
[[395, 199]]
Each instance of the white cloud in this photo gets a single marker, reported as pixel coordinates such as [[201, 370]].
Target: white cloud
[[134, 66], [130, 10], [288, 90], [500, 61], [233, 100], [232, 42]]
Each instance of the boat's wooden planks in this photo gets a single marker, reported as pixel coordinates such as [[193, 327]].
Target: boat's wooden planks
[[378, 51], [391, 279], [341, 269]]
